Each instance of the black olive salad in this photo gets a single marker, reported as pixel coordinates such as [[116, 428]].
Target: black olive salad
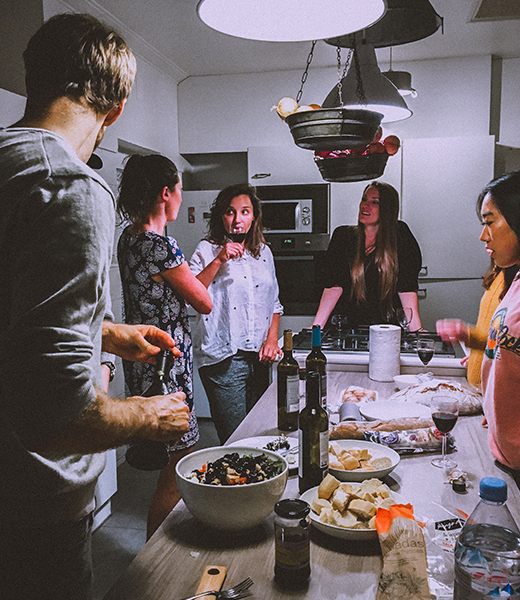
[[232, 469]]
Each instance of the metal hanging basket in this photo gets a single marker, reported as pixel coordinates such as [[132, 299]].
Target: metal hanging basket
[[352, 167], [333, 128]]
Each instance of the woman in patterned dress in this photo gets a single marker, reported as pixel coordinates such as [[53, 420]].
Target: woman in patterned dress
[[157, 283]]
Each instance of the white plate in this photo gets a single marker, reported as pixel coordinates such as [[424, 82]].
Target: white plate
[[376, 451], [386, 410], [261, 441], [341, 532]]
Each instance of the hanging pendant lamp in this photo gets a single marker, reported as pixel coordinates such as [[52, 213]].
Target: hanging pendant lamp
[[381, 95], [401, 79], [404, 21], [289, 20]]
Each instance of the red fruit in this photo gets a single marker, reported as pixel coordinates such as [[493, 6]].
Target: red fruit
[[378, 135], [392, 144], [376, 148]]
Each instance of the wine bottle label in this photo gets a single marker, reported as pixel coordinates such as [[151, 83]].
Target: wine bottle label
[[324, 449], [323, 384], [293, 393]]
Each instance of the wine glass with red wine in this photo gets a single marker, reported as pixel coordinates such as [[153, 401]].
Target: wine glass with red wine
[[237, 235], [445, 412], [425, 350]]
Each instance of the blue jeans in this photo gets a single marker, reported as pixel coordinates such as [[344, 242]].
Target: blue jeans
[[51, 562], [233, 387]]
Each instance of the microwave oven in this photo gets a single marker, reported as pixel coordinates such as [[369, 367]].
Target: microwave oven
[[287, 216]]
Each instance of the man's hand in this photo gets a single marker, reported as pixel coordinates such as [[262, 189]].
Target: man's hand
[[140, 343], [167, 417]]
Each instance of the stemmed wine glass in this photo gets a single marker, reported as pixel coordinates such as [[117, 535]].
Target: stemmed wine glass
[[404, 317], [445, 412], [425, 349], [238, 235]]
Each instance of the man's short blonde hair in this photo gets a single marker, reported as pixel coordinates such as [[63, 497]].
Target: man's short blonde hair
[[77, 56]]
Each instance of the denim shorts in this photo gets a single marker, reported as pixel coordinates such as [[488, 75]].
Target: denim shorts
[[233, 387], [49, 562]]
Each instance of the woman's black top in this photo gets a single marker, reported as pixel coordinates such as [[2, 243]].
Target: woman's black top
[[340, 255]]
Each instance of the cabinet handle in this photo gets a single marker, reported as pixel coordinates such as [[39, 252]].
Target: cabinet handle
[[260, 175], [423, 272], [421, 294]]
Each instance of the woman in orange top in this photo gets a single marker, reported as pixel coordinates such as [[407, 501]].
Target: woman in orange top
[[496, 283]]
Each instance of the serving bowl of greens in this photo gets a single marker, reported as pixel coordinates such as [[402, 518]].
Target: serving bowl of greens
[[231, 488]]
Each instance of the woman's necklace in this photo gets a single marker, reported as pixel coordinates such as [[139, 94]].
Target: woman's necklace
[[369, 248]]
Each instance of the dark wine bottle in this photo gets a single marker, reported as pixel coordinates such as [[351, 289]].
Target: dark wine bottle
[[317, 362], [288, 376], [313, 437], [147, 455]]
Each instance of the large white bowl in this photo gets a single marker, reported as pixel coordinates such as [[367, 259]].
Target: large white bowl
[[376, 451], [229, 507]]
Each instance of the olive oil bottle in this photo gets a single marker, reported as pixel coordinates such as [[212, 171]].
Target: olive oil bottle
[[316, 361], [288, 376], [313, 437], [147, 455]]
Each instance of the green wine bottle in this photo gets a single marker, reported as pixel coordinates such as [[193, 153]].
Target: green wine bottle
[[317, 362], [288, 376], [313, 437], [147, 455]]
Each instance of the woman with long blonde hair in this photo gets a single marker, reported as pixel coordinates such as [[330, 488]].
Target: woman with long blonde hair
[[373, 267]]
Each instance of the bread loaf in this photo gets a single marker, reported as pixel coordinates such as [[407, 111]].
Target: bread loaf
[[357, 429]]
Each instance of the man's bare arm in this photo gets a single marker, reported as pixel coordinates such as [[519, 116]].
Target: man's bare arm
[[109, 423]]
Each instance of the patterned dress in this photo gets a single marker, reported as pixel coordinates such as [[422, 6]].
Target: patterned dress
[[156, 303]]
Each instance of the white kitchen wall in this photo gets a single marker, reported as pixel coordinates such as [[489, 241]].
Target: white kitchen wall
[[229, 113], [510, 113]]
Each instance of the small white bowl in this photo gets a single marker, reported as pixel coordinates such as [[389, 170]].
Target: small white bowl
[[404, 381], [376, 451], [229, 507]]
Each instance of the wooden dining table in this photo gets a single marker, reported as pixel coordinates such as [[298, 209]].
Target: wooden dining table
[[170, 565]]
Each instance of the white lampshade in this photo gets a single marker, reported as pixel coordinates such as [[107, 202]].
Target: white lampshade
[[290, 20], [381, 95]]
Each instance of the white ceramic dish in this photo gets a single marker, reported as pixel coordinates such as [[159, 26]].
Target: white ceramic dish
[[404, 381], [376, 451], [229, 507], [341, 532], [261, 442], [386, 410]]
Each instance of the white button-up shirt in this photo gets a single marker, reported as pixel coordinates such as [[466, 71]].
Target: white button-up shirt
[[245, 297]]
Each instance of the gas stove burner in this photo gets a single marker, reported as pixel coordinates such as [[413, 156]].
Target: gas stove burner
[[357, 340]]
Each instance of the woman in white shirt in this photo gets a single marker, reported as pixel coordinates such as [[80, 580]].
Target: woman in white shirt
[[235, 343]]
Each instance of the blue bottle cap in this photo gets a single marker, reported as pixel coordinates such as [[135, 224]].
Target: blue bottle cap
[[316, 335], [493, 489]]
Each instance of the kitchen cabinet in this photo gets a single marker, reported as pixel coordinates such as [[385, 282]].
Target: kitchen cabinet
[[274, 165], [441, 181]]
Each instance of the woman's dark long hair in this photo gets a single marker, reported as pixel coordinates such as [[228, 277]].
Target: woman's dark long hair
[[505, 193], [143, 180], [493, 273], [216, 231], [385, 250]]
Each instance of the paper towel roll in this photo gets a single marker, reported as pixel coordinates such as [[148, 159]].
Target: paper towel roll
[[384, 352]]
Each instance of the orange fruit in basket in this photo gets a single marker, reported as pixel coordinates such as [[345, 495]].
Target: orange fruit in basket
[[392, 144]]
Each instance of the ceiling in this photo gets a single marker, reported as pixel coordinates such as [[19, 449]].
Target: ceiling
[[169, 32]]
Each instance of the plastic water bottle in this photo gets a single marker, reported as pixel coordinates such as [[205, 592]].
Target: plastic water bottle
[[487, 554]]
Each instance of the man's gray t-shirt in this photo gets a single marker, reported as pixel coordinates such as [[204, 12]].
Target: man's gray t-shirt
[[56, 236]]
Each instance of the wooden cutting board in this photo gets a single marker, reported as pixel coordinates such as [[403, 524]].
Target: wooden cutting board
[[212, 579]]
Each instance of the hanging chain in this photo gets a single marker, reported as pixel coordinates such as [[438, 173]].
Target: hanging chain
[[359, 89], [306, 72], [341, 74]]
